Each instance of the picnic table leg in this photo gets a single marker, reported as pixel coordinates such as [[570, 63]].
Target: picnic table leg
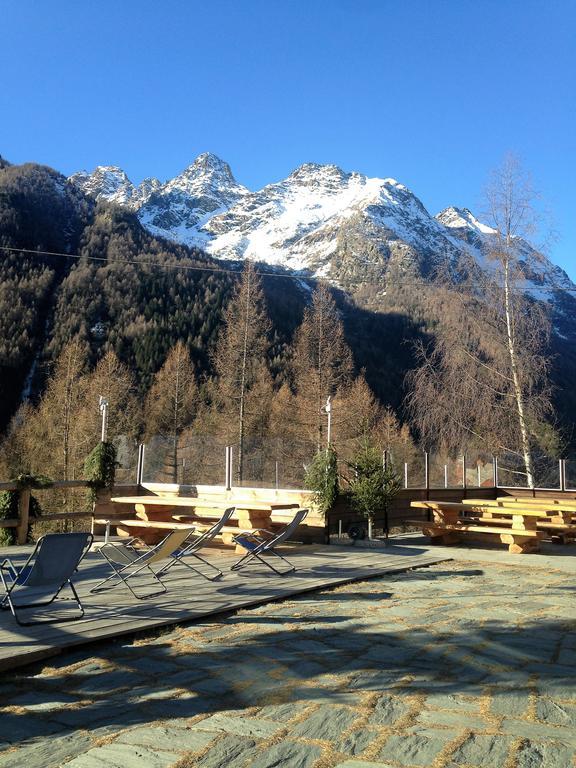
[[519, 545]]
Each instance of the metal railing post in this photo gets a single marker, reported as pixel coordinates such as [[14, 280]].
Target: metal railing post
[[140, 466], [228, 468], [562, 473], [464, 471], [405, 474], [495, 470], [445, 475], [426, 471]]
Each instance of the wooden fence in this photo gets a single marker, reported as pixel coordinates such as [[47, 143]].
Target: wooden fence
[[337, 520], [24, 520]]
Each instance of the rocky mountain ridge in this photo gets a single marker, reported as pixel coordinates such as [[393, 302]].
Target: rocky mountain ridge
[[320, 220]]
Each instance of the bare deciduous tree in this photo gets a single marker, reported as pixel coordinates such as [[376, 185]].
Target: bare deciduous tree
[[172, 400], [244, 385], [322, 362], [483, 381]]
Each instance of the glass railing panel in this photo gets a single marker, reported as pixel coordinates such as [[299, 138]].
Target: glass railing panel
[[571, 475]]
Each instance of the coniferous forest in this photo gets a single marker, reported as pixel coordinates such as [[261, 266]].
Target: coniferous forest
[[183, 345]]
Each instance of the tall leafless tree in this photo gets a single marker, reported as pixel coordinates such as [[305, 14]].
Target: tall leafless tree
[[240, 359], [172, 400], [483, 382], [322, 362]]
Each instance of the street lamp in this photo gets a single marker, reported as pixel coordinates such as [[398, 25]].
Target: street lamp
[[327, 409], [103, 406]]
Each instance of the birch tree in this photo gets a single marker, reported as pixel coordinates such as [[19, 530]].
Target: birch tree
[[510, 200], [483, 382]]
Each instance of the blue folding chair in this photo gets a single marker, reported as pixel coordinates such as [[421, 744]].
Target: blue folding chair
[[47, 571]]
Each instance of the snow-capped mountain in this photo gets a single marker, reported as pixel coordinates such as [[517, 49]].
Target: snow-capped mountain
[[320, 219], [177, 209]]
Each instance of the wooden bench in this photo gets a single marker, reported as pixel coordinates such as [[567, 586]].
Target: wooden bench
[[451, 533], [148, 531], [249, 514], [522, 518], [151, 531], [553, 502]]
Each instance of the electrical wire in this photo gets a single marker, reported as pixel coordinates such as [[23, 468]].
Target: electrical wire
[[222, 270]]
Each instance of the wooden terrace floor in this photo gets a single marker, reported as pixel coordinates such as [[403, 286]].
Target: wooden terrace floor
[[190, 597]]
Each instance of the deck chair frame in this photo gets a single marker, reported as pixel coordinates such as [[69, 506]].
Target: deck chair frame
[[262, 542], [193, 548], [13, 578], [127, 562]]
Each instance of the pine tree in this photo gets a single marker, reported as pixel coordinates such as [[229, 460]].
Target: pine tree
[[112, 380], [55, 436]]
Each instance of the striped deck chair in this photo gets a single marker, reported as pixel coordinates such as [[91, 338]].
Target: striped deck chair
[[127, 562]]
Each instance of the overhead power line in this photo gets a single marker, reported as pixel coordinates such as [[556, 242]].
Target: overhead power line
[[221, 270]]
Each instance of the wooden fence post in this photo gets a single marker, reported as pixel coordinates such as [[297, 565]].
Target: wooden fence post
[[23, 515]]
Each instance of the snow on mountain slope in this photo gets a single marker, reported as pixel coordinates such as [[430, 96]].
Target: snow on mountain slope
[[539, 271], [320, 219], [175, 210], [297, 222]]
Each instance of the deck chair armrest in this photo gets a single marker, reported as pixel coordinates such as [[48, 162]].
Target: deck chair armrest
[[7, 587], [8, 565]]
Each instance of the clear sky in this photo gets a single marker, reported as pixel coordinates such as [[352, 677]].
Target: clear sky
[[431, 92]]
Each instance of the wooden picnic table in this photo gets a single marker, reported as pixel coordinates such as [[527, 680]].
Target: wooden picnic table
[[556, 513], [150, 510], [520, 531], [567, 505]]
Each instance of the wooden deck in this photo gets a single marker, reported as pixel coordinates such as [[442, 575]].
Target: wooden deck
[[191, 597]]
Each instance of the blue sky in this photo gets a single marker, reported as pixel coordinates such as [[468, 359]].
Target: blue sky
[[433, 94]]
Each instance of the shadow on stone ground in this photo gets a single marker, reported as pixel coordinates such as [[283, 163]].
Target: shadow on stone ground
[[454, 665]]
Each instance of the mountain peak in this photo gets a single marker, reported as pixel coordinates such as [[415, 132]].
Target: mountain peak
[[210, 166], [460, 218], [110, 171], [318, 172], [106, 181]]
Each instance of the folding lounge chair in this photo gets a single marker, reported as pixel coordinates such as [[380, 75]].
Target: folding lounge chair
[[126, 561], [262, 542], [47, 571], [191, 550]]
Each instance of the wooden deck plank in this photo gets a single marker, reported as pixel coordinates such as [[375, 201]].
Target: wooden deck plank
[[116, 613]]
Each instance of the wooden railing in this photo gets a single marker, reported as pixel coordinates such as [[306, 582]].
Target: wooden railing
[[22, 522]]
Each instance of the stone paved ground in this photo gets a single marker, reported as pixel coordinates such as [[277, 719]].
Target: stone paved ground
[[452, 666]]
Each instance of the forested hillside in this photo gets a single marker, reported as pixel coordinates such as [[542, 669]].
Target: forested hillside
[[126, 291], [89, 297]]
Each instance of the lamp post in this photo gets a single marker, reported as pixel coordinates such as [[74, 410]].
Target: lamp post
[[327, 409], [103, 405]]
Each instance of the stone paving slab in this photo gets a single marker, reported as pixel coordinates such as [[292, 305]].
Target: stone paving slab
[[378, 674]]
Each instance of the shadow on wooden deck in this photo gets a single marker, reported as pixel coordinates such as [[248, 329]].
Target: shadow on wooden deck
[[190, 597]]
